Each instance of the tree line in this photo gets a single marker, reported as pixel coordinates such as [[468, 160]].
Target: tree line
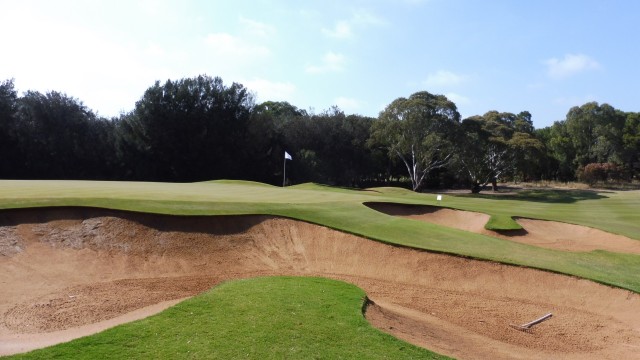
[[197, 129]]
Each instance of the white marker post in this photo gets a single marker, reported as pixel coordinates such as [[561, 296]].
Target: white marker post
[[439, 199]]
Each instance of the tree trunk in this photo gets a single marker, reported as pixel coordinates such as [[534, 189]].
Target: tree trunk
[[416, 187], [476, 188], [494, 184]]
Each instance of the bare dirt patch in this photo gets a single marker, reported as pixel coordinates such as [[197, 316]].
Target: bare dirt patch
[[78, 267], [542, 233]]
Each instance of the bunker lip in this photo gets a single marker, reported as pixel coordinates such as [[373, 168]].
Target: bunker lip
[[74, 267], [542, 233]]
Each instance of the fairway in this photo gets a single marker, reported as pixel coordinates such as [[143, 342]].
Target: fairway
[[72, 271]]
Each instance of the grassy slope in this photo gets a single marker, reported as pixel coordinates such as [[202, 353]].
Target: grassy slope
[[272, 313], [342, 209], [262, 318]]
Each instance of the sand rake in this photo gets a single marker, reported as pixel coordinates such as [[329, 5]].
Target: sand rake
[[527, 327]]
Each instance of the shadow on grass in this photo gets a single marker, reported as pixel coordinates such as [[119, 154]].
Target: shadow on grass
[[335, 187], [559, 196]]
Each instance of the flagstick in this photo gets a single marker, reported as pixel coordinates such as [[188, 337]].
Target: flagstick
[[284, 173]]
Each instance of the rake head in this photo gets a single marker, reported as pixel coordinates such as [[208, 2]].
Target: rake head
[[527, 327]]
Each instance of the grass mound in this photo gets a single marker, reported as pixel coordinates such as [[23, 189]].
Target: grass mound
[[261, 318], [502, 223]]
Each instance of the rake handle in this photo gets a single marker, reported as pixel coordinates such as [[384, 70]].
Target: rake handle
[[537, 321]]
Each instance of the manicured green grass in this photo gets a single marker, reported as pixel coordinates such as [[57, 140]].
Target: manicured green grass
[[342, 209], [262, 318]]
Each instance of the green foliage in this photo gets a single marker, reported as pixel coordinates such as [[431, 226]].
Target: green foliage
[[282, 111], [196, 129], [8, 137], [498, 145], [330, 148], [420, 131], [184, 130], [631, 143], [596, 132], [561, 149], [261, 318], [592, 133], [59, 136]]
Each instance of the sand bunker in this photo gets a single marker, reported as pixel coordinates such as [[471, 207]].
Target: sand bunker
[[69, 272], [547, 234]]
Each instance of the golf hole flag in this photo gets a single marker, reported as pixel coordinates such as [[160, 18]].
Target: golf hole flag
[[284, 169]]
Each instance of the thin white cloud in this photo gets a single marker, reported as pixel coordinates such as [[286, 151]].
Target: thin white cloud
[[363, 17], [92, 64], [271, 90], [348, 104], [536, 86], [234, 55], [444, 78], [342, 30], [153, 8], [257, 28], [416, 2], [570, 65], [457, 98], [154, 49], [573, 100], [234, 47], [84, 58], [331, 62]]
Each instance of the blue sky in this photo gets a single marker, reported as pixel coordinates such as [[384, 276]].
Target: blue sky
[[543, 56]]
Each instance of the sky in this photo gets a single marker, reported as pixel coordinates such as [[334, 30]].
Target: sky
[[542, 56]]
